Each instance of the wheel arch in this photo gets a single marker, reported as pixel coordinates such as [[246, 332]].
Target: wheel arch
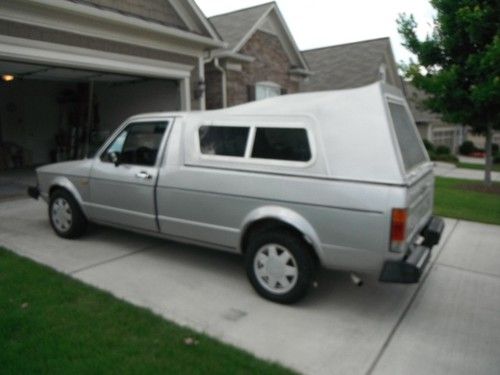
[[281, 217], [64, 183]]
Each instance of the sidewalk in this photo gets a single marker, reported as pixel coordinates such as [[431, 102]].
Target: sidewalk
[[451, 171], [471, 160]]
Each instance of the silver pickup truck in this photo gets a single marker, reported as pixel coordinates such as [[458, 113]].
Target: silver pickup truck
[[335, 179]]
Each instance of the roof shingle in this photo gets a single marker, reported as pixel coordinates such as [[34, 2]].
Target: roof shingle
[[346, 65]]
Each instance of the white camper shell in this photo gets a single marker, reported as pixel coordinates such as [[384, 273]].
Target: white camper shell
[[352, 134], [335, 179]]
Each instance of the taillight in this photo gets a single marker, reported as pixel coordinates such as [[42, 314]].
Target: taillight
[[398, 229]]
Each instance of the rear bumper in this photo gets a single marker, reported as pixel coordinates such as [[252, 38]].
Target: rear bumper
[[34, 192], [411, 267]]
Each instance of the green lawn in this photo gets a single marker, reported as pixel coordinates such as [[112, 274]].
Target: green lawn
[[496, 167], [467, 200], [52, 324]]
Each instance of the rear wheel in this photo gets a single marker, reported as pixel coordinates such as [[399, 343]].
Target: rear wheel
[[65, 215], [279, 265]]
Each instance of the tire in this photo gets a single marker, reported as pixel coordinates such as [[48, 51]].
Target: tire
[[289, 266], [65, 215]]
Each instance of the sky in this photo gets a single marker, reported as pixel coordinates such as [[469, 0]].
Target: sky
[[320, 23]]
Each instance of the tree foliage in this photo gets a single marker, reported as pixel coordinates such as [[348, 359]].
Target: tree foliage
[[459, 63]]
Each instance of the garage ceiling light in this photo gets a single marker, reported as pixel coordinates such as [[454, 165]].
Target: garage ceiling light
[[7, 77]]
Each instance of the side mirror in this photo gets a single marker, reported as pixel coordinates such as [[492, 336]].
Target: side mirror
[[115, 159]]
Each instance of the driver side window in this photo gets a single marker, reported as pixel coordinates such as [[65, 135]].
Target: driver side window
[[138, 144]]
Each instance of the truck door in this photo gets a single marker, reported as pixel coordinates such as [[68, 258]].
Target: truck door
[[124, 176]]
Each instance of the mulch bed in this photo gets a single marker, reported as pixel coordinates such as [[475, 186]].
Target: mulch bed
[[481, 188]]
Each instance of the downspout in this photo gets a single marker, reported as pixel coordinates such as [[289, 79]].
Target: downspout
[[223, 81], [201, 78]]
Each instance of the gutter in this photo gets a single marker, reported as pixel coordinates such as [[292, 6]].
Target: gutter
[[302, 72], [233, 56], [226, 54]]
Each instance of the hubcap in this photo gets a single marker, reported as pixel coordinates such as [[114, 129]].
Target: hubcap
[[276, 268], [61, 215]]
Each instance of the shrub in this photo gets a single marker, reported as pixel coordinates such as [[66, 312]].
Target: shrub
[[496, 159], [428, 145], [494, 148], [443, 150], [467, 148], [447, 158]]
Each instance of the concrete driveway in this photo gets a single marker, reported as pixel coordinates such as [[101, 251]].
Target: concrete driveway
[[450, 323]]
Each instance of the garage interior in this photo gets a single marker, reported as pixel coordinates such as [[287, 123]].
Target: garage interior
[[50, 114]]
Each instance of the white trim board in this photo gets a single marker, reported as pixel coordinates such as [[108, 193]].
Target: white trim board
[[26, 50], [97, 23]]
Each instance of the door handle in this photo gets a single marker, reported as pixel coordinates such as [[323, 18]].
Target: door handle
[[143, 175]]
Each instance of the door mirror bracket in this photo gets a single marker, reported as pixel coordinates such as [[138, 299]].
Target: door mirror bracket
[[115, 159]]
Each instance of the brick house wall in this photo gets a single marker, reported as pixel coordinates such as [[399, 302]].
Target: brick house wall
[[213, 94], [160, 11], [271, 64]]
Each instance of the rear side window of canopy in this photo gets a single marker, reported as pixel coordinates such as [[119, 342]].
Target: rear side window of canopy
[[289, 144]]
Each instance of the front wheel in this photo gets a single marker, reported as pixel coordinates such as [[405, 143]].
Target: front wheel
[[279, 265], [65, 215]]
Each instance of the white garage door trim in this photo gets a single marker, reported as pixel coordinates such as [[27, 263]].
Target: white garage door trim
[[26, 50], [448, 136]]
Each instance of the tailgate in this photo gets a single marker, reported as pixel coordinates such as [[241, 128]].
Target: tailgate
[[420, 204]]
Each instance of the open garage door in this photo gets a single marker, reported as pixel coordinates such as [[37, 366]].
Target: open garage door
[[50, 114]]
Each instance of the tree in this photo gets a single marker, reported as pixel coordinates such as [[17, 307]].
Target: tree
[[459, 64]]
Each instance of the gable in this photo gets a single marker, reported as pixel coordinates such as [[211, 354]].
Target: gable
[[237, 28], [234, 26], [271, 24], [270, 57]]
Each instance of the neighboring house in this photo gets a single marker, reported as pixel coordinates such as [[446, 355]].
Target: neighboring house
[[72, 65], [362, 63], [479, 140], [261, 60], [430, 125]]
